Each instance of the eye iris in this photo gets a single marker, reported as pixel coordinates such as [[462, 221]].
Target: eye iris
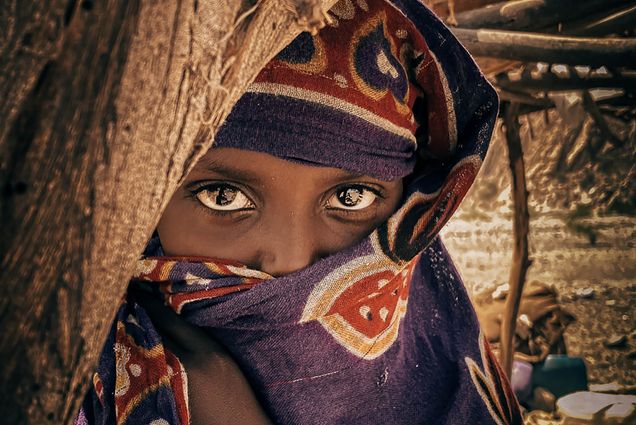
[[225, 196], [350, 197]]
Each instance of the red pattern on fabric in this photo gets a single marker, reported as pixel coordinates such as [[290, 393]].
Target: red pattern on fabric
[[493, 387], [457, 184], [99, 388], [139, 371], [507, 401], [369, 304], [323, 81], [178, 300]]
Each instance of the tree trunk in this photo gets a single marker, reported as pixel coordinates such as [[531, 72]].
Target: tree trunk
[[106, 105]]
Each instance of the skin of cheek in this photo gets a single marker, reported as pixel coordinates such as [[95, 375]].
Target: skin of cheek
[[186, 230], [276, 239]]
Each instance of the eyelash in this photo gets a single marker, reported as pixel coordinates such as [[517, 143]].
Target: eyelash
[[376, 191], [195, 189]]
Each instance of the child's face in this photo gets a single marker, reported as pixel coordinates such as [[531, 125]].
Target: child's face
[[270, 214]]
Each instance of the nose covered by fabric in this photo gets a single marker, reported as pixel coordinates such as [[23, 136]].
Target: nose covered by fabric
[[355, 96]]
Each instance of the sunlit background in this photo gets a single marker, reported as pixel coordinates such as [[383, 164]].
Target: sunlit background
[[582, 228]]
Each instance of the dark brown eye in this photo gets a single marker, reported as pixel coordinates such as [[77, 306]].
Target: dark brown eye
[[224, 198], [352, 198]]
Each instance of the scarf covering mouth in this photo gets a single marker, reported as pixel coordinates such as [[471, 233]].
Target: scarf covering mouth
[[382, 332]]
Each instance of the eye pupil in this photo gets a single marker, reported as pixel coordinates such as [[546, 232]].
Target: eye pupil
[[350, 197], [225, 196]]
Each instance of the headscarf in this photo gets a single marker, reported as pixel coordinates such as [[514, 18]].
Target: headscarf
[[381, 332]]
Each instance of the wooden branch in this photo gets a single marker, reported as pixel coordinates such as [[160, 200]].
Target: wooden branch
[[605, 105], [524, 98], [533, 47], [521, 227], [616, 22], [105, 107], [621, 101], [592, 108], [529, 109], [550, 82], [531, 14]]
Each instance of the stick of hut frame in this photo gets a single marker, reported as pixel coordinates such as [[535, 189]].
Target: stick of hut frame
[[520, 256], [545, 14], [536, 47]]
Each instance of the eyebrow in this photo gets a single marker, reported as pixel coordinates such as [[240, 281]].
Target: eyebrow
[[228, 171], [247, 176]]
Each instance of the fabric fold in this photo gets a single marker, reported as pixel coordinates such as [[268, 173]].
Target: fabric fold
[[381, 332]]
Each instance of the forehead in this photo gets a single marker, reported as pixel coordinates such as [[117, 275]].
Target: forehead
[[256, 167]]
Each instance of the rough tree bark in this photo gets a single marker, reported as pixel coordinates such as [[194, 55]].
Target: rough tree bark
[[104, 108]]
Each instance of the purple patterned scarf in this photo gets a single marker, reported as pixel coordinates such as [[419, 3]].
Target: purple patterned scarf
[[382, 332]]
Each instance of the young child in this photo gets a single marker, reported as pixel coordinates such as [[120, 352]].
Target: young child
[[305, 244]]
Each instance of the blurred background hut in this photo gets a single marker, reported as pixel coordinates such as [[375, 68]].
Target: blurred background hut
[[554, 206]]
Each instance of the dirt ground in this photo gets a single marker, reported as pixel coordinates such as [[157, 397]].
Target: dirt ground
[[596, 282]]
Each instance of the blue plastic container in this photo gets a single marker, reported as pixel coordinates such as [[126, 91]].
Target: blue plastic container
[[560, 374]]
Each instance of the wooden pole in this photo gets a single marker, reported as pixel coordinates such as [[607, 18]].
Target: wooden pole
[[524, 98], [535, 47], [521, 226], [531, 14], [592, 108], [617, 21], [550, 82]]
